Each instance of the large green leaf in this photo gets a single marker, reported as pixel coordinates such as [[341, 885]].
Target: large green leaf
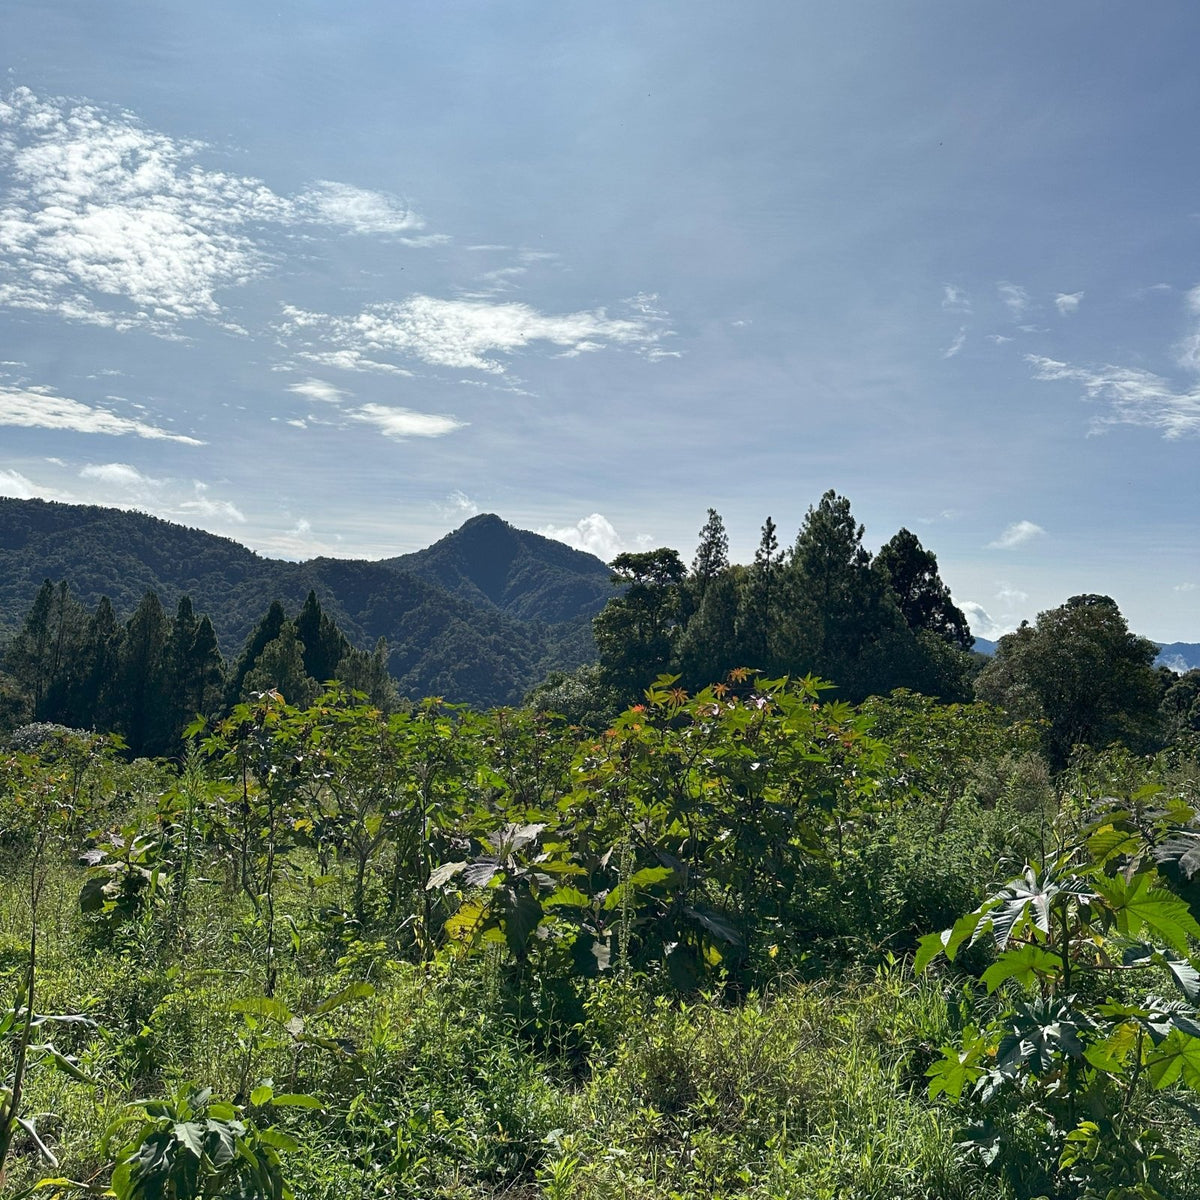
[[1027, 964], [1140, 905]]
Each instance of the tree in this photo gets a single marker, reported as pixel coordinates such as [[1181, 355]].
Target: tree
[[367, 672], [842, 622], [712, 555], [636, 632], [1082, 671], [140, 690], [280, 668], [43, 654], [763, 598], [924, 600], [322, 642], [267, 630]]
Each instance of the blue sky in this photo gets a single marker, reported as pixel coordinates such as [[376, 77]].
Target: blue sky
[[331, 279]]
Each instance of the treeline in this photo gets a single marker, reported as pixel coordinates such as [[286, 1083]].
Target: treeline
[[146, 679], [822, 606]]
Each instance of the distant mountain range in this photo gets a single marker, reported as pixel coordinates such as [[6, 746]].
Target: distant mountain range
[[1178, 656], [479, 617]]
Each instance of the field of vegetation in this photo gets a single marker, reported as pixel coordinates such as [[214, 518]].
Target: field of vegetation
[[333, 951]]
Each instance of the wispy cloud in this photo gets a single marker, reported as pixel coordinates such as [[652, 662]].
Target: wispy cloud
[[120, 475], [1017, 534], [955, 346], [41, 408], [203, 505], [403, 423], [318, 389], [1014, 298], [1067, 303], [476, 334], [108, 222], [955, 298], [351, 360], [21, 487], [1185, 587], [362, 212], [1134, 396], [459, 506]]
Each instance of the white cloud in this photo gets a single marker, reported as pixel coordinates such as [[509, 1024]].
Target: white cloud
[[101, 208], [1135, 397], [476, 333], [204, 505], [108, 222], [317, 389], [21, 487], [1014, 298], [459, 506], [998, 338], [1009, 596], [1017, 534], [594, 533], [404, 423], [1067, 302], [358, 210], [981, 622], [40, 408], [120, 476], [351, 360], [956, 345], [955, 298], [1186, 587]]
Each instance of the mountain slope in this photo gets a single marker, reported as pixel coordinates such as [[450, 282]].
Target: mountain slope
[[525, 575], [446, 638]]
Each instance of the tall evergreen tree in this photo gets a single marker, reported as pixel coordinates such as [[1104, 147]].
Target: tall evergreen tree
[[763, 588], [92, 696], [924, 600], [42, 657], [267, 630], [323, 644], [140, 691], [712, 555], [280, 668], [367, 672]]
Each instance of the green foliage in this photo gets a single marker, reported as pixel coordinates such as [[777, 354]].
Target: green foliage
[[1083, 1036], [192, 1146]]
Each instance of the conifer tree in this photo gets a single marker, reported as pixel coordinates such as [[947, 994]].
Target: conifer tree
[[267, 630], [280, 668], [323, 644], [712, 555], [140, 690]]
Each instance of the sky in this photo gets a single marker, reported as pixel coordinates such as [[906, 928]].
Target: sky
[[330, 279]]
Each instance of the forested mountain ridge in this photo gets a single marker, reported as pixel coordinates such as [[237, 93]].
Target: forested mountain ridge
[[523, 574], [446, 633]]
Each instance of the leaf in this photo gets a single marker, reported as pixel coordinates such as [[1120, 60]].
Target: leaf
[[467, 922], [957, 1068], [296, 1100], [190, 1134], [1026, 965], [356, 991], [261, 1095], [1139, 905], [928, 948], [719, 926], [278, 1139], [522, 913], [648, 876], [567, 897], [43, 1149], [262, 1006], [443, 874], [1177, 1057]]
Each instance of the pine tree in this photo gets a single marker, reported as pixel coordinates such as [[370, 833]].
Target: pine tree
[[322, 642], [280, 668], [267, 630], [712, 555], [368, 673], [140, 691]]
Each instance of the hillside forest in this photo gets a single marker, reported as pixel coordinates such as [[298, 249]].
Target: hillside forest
[[775, 890]]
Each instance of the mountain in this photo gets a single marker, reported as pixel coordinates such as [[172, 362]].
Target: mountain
[[525, 575], [1177, 656], [479, 617]]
